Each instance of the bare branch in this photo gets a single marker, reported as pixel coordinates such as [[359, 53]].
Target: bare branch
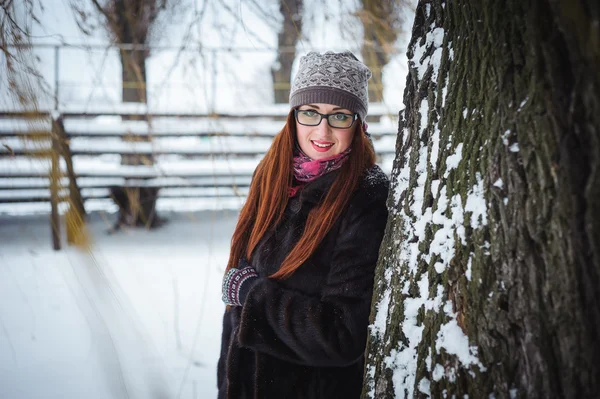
[[101, 10], [239, 20], [268, 18], [184, 42]]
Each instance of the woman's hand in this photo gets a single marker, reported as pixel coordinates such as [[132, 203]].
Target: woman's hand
[[237, 283]]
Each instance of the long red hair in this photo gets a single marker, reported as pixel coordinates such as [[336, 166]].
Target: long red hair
[[268, 197]]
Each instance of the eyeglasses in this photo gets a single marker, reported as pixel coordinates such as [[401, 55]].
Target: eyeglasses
[[338, 120]]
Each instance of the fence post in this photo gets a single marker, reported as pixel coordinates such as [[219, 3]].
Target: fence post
[[75, 216], [214, 80], [56, 75], [54, 187]]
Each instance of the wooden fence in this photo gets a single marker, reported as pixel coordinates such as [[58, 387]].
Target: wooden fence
[[75, 157]]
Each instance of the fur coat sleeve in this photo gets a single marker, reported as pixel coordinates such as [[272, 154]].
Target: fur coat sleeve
[[329, 330]]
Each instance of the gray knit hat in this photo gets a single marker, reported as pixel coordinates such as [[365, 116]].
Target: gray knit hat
[[332, 78]]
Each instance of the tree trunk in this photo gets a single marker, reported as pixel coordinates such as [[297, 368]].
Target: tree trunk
[[133, 75], [137, 205], [381, 23], [291, 10], [488, 281]]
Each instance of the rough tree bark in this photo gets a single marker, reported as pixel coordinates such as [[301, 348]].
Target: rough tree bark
[[291, 29], [488, 281]]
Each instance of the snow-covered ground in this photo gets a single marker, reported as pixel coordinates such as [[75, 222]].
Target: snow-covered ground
[[136, 316]]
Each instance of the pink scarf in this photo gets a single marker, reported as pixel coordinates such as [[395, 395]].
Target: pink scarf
[[307, 169]]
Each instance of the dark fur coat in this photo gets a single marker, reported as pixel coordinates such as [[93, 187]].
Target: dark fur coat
[[304, 337]]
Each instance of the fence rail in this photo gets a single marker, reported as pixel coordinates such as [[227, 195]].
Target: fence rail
[[92, 73]]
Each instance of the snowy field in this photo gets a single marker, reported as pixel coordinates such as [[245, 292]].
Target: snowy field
[[137, 316]]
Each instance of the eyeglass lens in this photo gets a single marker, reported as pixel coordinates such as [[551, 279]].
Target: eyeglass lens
[[313, 118]]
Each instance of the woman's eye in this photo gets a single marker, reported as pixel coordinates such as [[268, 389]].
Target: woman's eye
[[310, 114], [340, 117]]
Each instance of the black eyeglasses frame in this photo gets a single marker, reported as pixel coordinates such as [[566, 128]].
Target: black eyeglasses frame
[[326, 116]]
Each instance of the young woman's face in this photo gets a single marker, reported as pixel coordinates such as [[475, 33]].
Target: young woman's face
[[323, 141]]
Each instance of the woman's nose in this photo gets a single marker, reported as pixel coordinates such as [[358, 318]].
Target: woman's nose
[[324, 127]]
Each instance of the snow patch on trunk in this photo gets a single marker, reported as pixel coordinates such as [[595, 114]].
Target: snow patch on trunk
[[446, 218]]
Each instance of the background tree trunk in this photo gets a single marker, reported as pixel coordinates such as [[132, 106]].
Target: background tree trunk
[[290, 32], [133, 76], [137, 205], [130, 23], [488, 281], [381, 22]]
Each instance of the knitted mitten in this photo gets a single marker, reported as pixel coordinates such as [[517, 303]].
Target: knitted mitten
[[237, 283]]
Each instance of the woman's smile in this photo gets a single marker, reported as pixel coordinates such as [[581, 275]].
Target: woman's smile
[[321, 146]]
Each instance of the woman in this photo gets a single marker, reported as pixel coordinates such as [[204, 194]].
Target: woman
[[299, 280]]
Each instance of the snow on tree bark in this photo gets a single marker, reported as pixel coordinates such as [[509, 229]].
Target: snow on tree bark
[[488, 281]]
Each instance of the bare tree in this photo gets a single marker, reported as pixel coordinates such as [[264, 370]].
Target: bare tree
[[288, 37], [382, 22], [20, 75], [28, 92], [132, 24], [488, 280]]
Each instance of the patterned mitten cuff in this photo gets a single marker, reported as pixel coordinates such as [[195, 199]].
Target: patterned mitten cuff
[[237, 283]]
